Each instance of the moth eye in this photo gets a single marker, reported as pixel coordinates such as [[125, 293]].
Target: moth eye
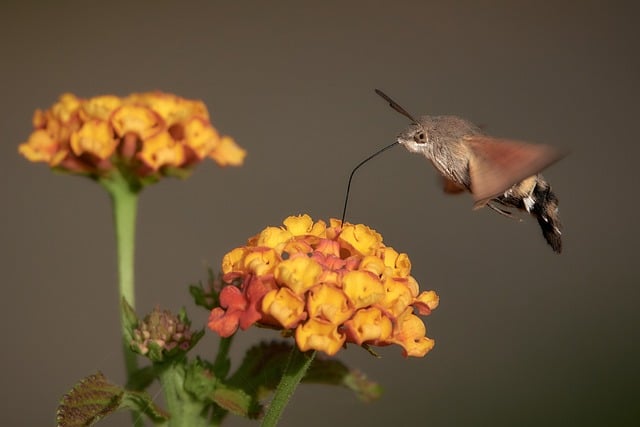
[[420, 138]]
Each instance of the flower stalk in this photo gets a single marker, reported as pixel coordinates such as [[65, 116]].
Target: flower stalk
[[295, 370], [124, 201]]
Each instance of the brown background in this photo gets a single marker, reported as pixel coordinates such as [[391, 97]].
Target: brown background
[[524, 337]]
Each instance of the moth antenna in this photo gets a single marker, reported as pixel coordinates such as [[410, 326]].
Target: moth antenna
[[346, 198], [393, 104]]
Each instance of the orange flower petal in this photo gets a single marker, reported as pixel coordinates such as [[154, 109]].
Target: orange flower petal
[[162, 150], [284, 306], [362, 239], [329, 303], [362, 288], [136, 119], [228, 153], [318, 334], [409, 333], [298, 273], [95, 138], [368, 325]]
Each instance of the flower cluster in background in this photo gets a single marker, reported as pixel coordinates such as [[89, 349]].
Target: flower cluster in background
[[150, 134], [162, 333], [331, 285]]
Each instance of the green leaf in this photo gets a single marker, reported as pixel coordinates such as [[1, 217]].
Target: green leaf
[[201, 382], [142, 378], [130, 320], [94, 397], [207, 296], [334, 372], [142, 402], [264, 364], [237, 401], [261, 368], [199, 379]]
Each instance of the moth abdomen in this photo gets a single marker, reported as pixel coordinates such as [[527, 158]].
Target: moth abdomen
[[535, 196]]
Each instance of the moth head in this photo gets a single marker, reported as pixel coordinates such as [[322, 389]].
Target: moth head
[[414, 138]]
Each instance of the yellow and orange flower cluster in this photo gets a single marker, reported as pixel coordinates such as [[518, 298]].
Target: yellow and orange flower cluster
[[150, 133], [331, 285]]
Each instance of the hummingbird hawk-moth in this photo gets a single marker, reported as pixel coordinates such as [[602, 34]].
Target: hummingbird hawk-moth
[[499, 173]]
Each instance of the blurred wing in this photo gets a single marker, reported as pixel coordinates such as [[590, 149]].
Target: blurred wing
[[451, 187], [496, 164]]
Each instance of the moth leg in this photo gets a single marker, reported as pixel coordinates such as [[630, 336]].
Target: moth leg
[[503, 212]]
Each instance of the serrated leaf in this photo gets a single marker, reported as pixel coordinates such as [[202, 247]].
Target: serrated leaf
[[94, 397], [262, 367], [237, 401], [334, 372], [141, 402], [201, 382], [90, 400], [199, 379], [264, 364]]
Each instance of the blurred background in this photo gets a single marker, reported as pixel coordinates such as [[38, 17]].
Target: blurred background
[[523, 336]]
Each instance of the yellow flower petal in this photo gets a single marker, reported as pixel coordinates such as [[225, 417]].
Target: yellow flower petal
[[368, 325], [67, 105], [303, 225], [173, 109], [272, 237], [409, 333], [362, 288], [372, 264], [162, 150], [201, 137], [298, 273], [329, 303], [397, 296], [399, 264], [95, 138], [260, 261], [427, 301], [234, 260], [284, 306], [40, 147], [136, 119], [318, 334], [228, 153], [364, 240], [100, 107]]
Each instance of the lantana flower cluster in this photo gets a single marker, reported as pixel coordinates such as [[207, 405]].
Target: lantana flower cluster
[[327, 285], [151, 133], [161, 333]]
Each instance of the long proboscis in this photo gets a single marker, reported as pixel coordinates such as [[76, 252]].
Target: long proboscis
[[346, 198]]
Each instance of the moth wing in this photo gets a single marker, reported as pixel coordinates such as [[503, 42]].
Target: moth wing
[[497, 164], [451, 187]]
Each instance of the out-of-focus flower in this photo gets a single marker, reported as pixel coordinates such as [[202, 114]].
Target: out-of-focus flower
[[148, 134], [326, 285], [163, 334]]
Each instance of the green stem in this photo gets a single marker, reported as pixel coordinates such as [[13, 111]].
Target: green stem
[[124, 201], [185, 410], [221, 364], [295, 370]]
